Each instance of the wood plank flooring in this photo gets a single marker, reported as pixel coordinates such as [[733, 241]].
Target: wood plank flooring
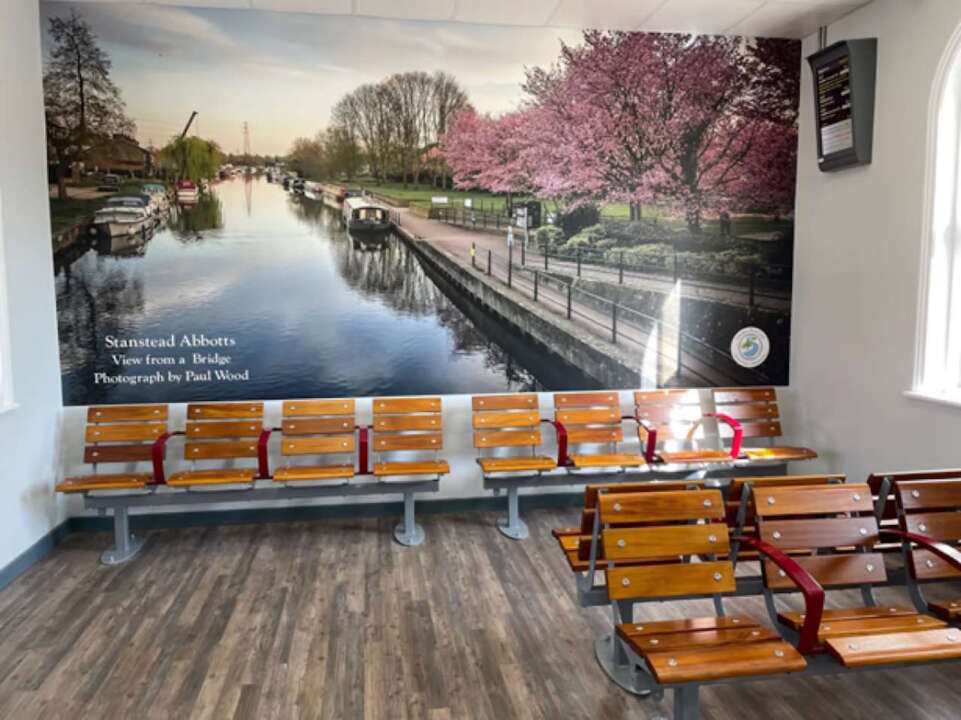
[[335, 620]]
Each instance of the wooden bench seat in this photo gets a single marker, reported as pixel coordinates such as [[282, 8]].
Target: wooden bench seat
[[313, 472], [744, 659], [608, 460], [795, 619], [516, 464], [902, 647], [672, 429], [685, 457], [92, 483], [418, 467], [779, 454], [225, 476], [949, 610]]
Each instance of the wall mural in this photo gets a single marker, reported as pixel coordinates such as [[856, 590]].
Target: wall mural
[[257, 205]]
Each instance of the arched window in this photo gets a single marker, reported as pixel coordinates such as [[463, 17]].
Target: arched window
[[939, 357]]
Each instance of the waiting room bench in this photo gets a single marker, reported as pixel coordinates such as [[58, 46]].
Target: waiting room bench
[[226, 449], [754, 411], [121, 434], [665, 545], [929, 518]]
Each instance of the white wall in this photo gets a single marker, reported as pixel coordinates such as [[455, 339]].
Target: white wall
[[28, 433], [858, 260]]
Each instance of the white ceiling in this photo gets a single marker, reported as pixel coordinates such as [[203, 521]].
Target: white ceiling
[[762, 18]]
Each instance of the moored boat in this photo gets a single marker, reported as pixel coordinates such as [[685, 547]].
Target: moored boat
[[123, 215], [361, 215], [187, 191]]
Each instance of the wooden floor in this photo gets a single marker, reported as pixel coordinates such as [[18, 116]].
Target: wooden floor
[[335, 620]]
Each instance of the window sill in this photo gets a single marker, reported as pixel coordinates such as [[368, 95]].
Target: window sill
[[9, 407], [933, 397]]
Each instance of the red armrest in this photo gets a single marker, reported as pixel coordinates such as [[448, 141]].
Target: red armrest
[[157, 456], [263, 464], [651, 446], [363, 443], [738, 432], [810, 588], [949, 554], [562, 460]]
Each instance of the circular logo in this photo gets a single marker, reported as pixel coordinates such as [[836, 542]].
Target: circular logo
[[750, 347]]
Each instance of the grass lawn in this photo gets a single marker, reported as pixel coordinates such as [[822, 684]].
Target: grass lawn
[[64, 214], [740, 224]]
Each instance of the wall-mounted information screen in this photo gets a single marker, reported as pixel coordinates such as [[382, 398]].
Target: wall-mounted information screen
[[844, 81]]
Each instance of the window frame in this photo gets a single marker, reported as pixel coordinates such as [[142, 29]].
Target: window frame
[[938, 343]]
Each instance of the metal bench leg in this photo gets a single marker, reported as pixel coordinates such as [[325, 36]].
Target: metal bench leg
[[125, 545], [686, 703], [612, 657], [511, 525], [409, 533]]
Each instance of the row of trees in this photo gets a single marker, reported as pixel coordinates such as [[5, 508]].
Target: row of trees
[[392, 127], [698, 126]]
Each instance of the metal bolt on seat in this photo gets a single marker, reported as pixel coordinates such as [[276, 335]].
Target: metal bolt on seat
[[857, 496], [770, 501], [777, 534], [672, 662], [779, 652], [915, 493], [625, 582]]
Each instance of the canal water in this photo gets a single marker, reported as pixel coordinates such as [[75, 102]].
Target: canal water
[[257, 293]]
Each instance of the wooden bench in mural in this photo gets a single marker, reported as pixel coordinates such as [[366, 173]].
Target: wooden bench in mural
[[128, 435]]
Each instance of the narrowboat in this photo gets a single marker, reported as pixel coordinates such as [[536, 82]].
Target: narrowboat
[[360, 215]]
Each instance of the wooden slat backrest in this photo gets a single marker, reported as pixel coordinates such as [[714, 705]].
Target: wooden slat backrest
[[519, 401], [832, 523], [225, 411], [592, 491], [407, 424], [594, 435], [507, 438], [662, 543], [590, 419], [754, 408], [318, 408], [221, 431], [317, 445], [318, 427], [126, 413], [929, 503], [736, 489], [683, 505], [123, 433], [608, 398], [506, 421], [672, 412]]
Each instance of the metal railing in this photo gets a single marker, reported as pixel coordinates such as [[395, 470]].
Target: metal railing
[[755, 282]]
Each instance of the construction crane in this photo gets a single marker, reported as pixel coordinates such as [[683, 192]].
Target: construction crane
[[189, 123]]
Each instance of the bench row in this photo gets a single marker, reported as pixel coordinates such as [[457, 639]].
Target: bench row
[[672, 429], [656, 544]]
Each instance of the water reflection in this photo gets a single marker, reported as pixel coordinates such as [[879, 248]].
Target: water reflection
[[310, 312]]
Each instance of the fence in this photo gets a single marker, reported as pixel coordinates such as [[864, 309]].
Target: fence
[[619, 324], [756, 282]]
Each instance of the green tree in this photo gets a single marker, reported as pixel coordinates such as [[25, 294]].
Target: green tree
[[81, 102], [191, 158]]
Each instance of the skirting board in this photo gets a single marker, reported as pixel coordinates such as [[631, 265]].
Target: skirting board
[[160, 521]]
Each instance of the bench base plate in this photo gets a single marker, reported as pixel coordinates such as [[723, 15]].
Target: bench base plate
[[115, 556], [410, 539], [620, 675], [516, 531]]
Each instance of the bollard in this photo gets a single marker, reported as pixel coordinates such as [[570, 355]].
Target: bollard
[[578, 262], [535, 286], [524, 254], [510, 264], [473, 255], [614, 324], [489, 256], [547, 252], [570, 289]]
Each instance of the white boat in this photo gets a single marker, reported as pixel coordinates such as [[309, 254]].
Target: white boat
[[361, 215], [158, 194], [123, 215], [187, 191]]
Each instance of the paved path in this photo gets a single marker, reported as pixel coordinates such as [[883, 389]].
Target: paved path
[[656, 344], [727, 293]]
